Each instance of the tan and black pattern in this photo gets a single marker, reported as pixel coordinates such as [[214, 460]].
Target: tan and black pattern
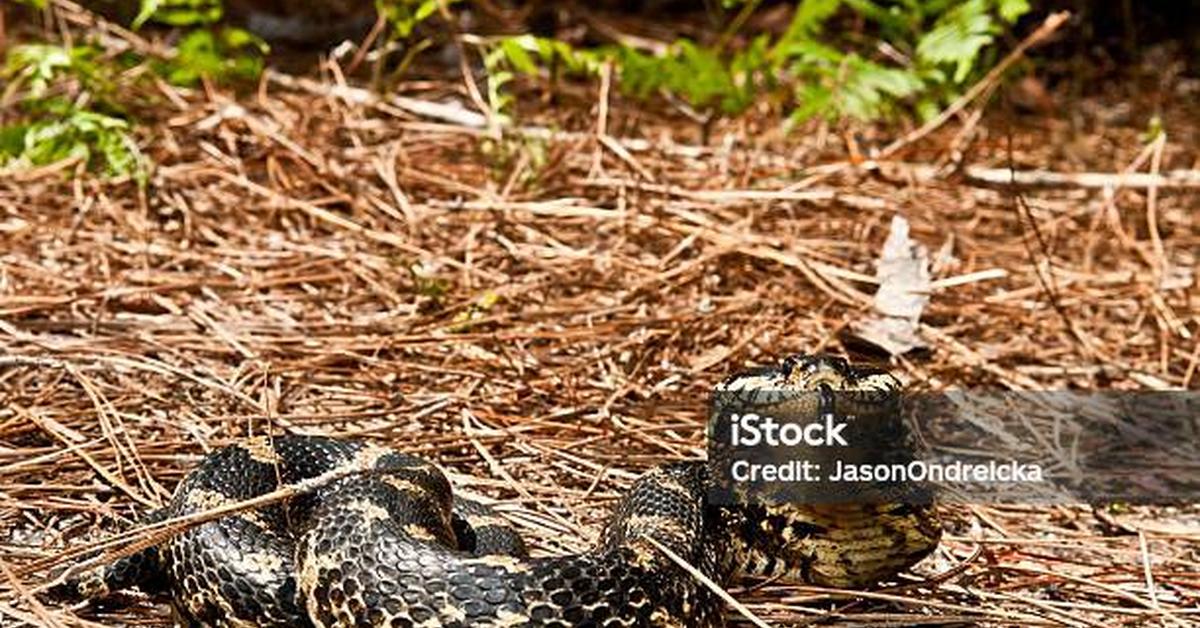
[[388, 544]]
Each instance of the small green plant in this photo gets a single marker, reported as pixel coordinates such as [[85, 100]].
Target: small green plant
[[218, 53], [468, 317], [426, 284], [226, 53], [53, 127], [403, 16], [37, 64], [102, 142], [700, 75], [936, 46], [70, 103], [33, 67], [526, 54], [1154, 129], [179, 12]]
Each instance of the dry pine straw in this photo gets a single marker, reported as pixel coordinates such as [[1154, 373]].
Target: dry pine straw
[[544, 317]]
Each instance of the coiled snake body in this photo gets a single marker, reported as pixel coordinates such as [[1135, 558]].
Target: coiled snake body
[[386, 544]]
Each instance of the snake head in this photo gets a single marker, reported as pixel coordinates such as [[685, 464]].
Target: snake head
[[803, 372], [810, 384], [821, 371], [854, 389], [821, 541]]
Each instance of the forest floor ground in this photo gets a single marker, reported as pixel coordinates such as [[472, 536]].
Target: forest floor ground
[[545, 313]]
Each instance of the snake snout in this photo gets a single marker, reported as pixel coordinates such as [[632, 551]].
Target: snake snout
[[816, 372]]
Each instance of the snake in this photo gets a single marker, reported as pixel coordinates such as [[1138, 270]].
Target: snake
[[371, 537]]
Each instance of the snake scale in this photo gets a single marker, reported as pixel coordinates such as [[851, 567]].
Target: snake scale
[[387, 544]]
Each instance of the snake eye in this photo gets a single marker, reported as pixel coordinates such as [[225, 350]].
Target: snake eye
[[798, 363], [809, 372], [793, 362]]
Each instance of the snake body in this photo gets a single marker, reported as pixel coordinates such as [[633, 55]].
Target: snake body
[[380, 540]]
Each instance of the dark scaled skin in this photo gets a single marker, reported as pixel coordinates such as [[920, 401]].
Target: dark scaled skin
[[383, 548], [386, 543], [366, 568]]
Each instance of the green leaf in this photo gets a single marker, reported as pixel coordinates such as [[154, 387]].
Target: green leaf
[[807, 51], [812, 100], [231, 53], [907, 55], [524, 53], [178, 12], [102, 142], [38, 64], [237, 38], [927, 109], [957, 37], [1154, 129], [893, 82], [514, 50], [12, 140], [404, 15], [895, 22], [1011, 10], [810, 16], [147, 9]]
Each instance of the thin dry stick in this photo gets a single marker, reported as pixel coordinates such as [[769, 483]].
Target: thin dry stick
[[131, 541], [999, 614], [1045, 277], [1151, 590], [111, 477], [143, 363], [25, 594], [1090, 582], [365, 45], [1161, 264], [106, 414], [1175, 179], [708, 582], [468, 75], [601, 120], [1061, 616]]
